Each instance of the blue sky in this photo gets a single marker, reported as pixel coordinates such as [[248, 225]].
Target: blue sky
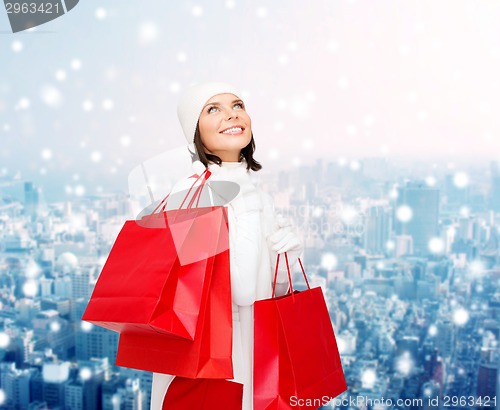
[[88, 96]]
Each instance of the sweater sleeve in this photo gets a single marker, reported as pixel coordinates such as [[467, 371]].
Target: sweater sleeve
[[245, 254], [282, 281]]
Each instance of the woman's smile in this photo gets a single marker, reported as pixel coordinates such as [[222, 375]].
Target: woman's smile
[[233, 130]]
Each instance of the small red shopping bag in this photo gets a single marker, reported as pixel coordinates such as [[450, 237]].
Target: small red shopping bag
[[144, 286], [295, 352], [209, 355], [203, 394]]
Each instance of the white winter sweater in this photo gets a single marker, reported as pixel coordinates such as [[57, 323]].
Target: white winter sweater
[[252, 266]]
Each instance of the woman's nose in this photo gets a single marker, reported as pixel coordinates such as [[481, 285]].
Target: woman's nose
[[231, 114]]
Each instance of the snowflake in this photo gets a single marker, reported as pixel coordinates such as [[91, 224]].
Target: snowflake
[[329, 261], [368, 378], [354, 165], [262, 12], [148, 33], [96, 156], [76, 64], [273, 154], [32, 269], [197, 11], [55, 327], [79, 190], [476, 268], [464, 211], [85, 373], [341, 345], [101, 13], [390, 245], [46, 154], [125, 140], [23, 104], [30, 288], [404, 213], [430, 180], [4, 340], [348, 214], [17, 46], [436, 245], [405, 364], [174, 88], [108, 104], [460, 316], [87, 105], [342, 161], [461, 180], [60, 75], [51, 96], [86, 326]]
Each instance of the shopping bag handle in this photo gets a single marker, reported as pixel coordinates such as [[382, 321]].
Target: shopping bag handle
[[197, 194], [289, 274]]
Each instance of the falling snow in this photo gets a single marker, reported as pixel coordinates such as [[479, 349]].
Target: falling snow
[[404, 213]]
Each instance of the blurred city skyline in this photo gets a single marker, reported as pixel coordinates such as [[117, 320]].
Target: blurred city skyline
[[409, 267]]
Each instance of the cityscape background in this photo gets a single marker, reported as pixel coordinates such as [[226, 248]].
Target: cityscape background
[[376, 126], [408, 259]]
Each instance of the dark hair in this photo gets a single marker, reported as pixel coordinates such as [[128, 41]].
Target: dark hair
[[246, 152]]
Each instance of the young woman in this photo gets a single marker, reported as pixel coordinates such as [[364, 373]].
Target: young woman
[[214, 118]]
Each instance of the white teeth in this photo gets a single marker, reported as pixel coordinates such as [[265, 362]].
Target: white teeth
[[232, 130]]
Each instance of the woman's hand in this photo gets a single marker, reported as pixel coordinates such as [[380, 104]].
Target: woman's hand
[[284, 239]]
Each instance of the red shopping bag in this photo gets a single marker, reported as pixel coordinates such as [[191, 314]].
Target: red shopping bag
[[203, 394], [208, 356], [295, 352], [144, 286]]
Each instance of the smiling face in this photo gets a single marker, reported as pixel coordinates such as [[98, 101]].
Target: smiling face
[[225, 127]]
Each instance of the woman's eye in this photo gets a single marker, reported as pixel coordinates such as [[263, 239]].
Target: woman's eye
[[211, 110], [239, 105]]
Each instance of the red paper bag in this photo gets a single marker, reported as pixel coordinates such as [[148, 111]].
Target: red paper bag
[[208, 356], [295, 352], [203, 394], [145, 287]]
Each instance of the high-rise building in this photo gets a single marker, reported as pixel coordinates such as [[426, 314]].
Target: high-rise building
[[422, 225], [487, 379], [404, 245], [30, 199], [131, 396], [109, 394], [495, 186], [54, 377], [16, 385], [80, 279], [456, 195], [377, 228], [96, 342]]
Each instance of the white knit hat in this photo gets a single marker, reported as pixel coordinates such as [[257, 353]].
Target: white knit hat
[[192, 101]]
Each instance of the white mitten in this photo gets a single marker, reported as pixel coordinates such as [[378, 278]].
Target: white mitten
[[283, 239]]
